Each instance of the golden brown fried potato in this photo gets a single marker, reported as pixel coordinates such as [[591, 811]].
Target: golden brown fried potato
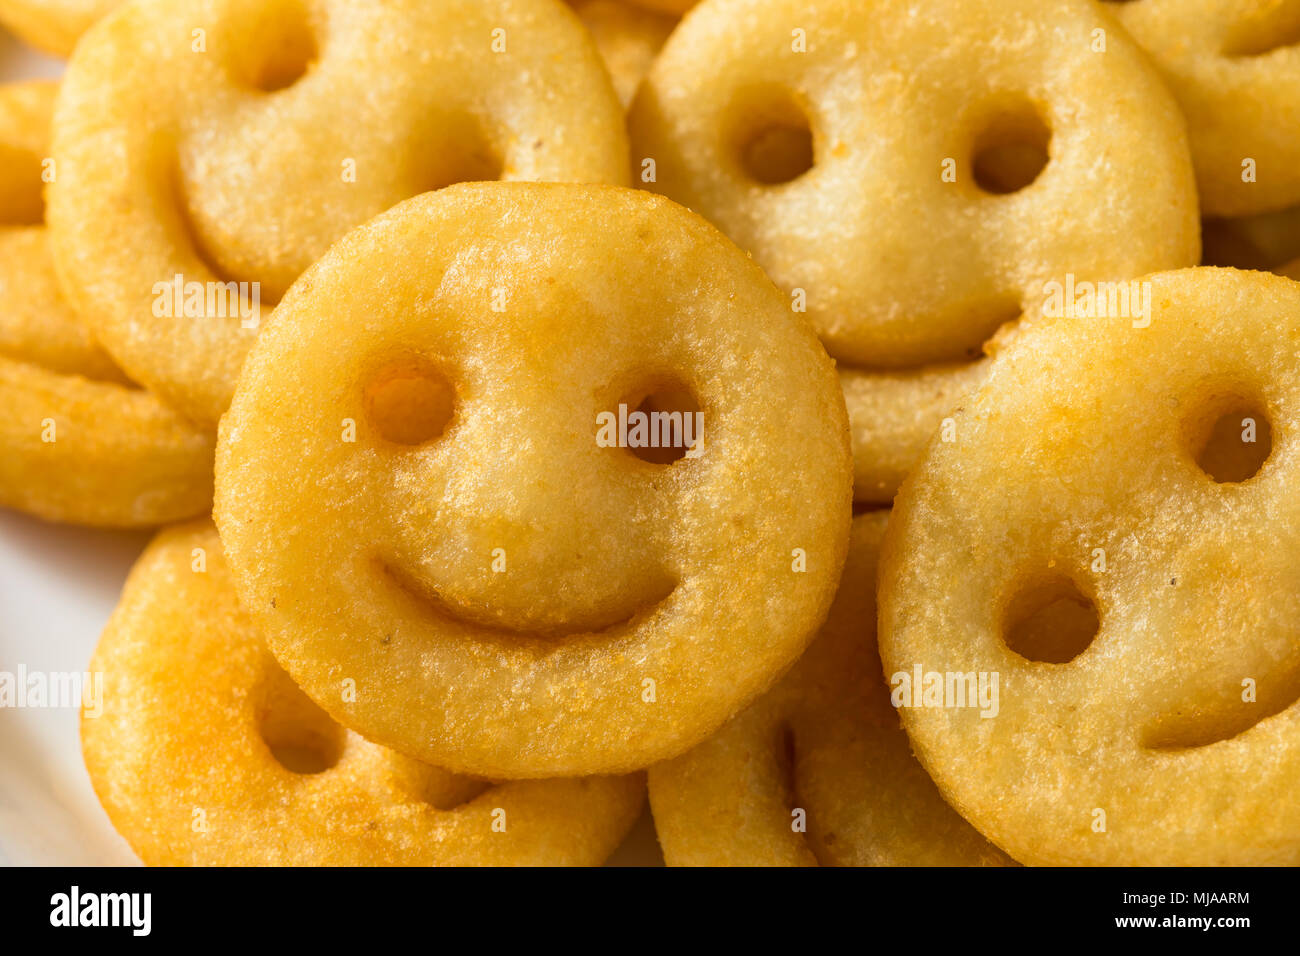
[[53, 25], [97, 453], [1096, 492], [206, 753], [36, 324], [818, 770], [809, 134], [1263, 241], [25, 110], [674, 7], [1235, 69], [514, 594], [892, 415], [78, 443], [228, 143], [629, 38]]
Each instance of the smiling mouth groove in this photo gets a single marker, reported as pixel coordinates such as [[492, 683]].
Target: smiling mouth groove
[[432, 600], [1192, 729]]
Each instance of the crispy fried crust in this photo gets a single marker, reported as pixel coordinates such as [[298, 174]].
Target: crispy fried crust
[[181, 756], [1075, 475], [636, 606]]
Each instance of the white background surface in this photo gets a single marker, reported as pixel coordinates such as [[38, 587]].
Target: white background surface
[[58, 586]]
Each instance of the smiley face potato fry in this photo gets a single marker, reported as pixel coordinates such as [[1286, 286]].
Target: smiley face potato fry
[[1114, 530], [514, 595], [219, 159], [240, 768], [818, 769], [78, 443], [1235, 69], [831, 432], [913, 176]]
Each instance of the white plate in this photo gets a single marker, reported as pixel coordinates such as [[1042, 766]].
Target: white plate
[[58, 586]]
